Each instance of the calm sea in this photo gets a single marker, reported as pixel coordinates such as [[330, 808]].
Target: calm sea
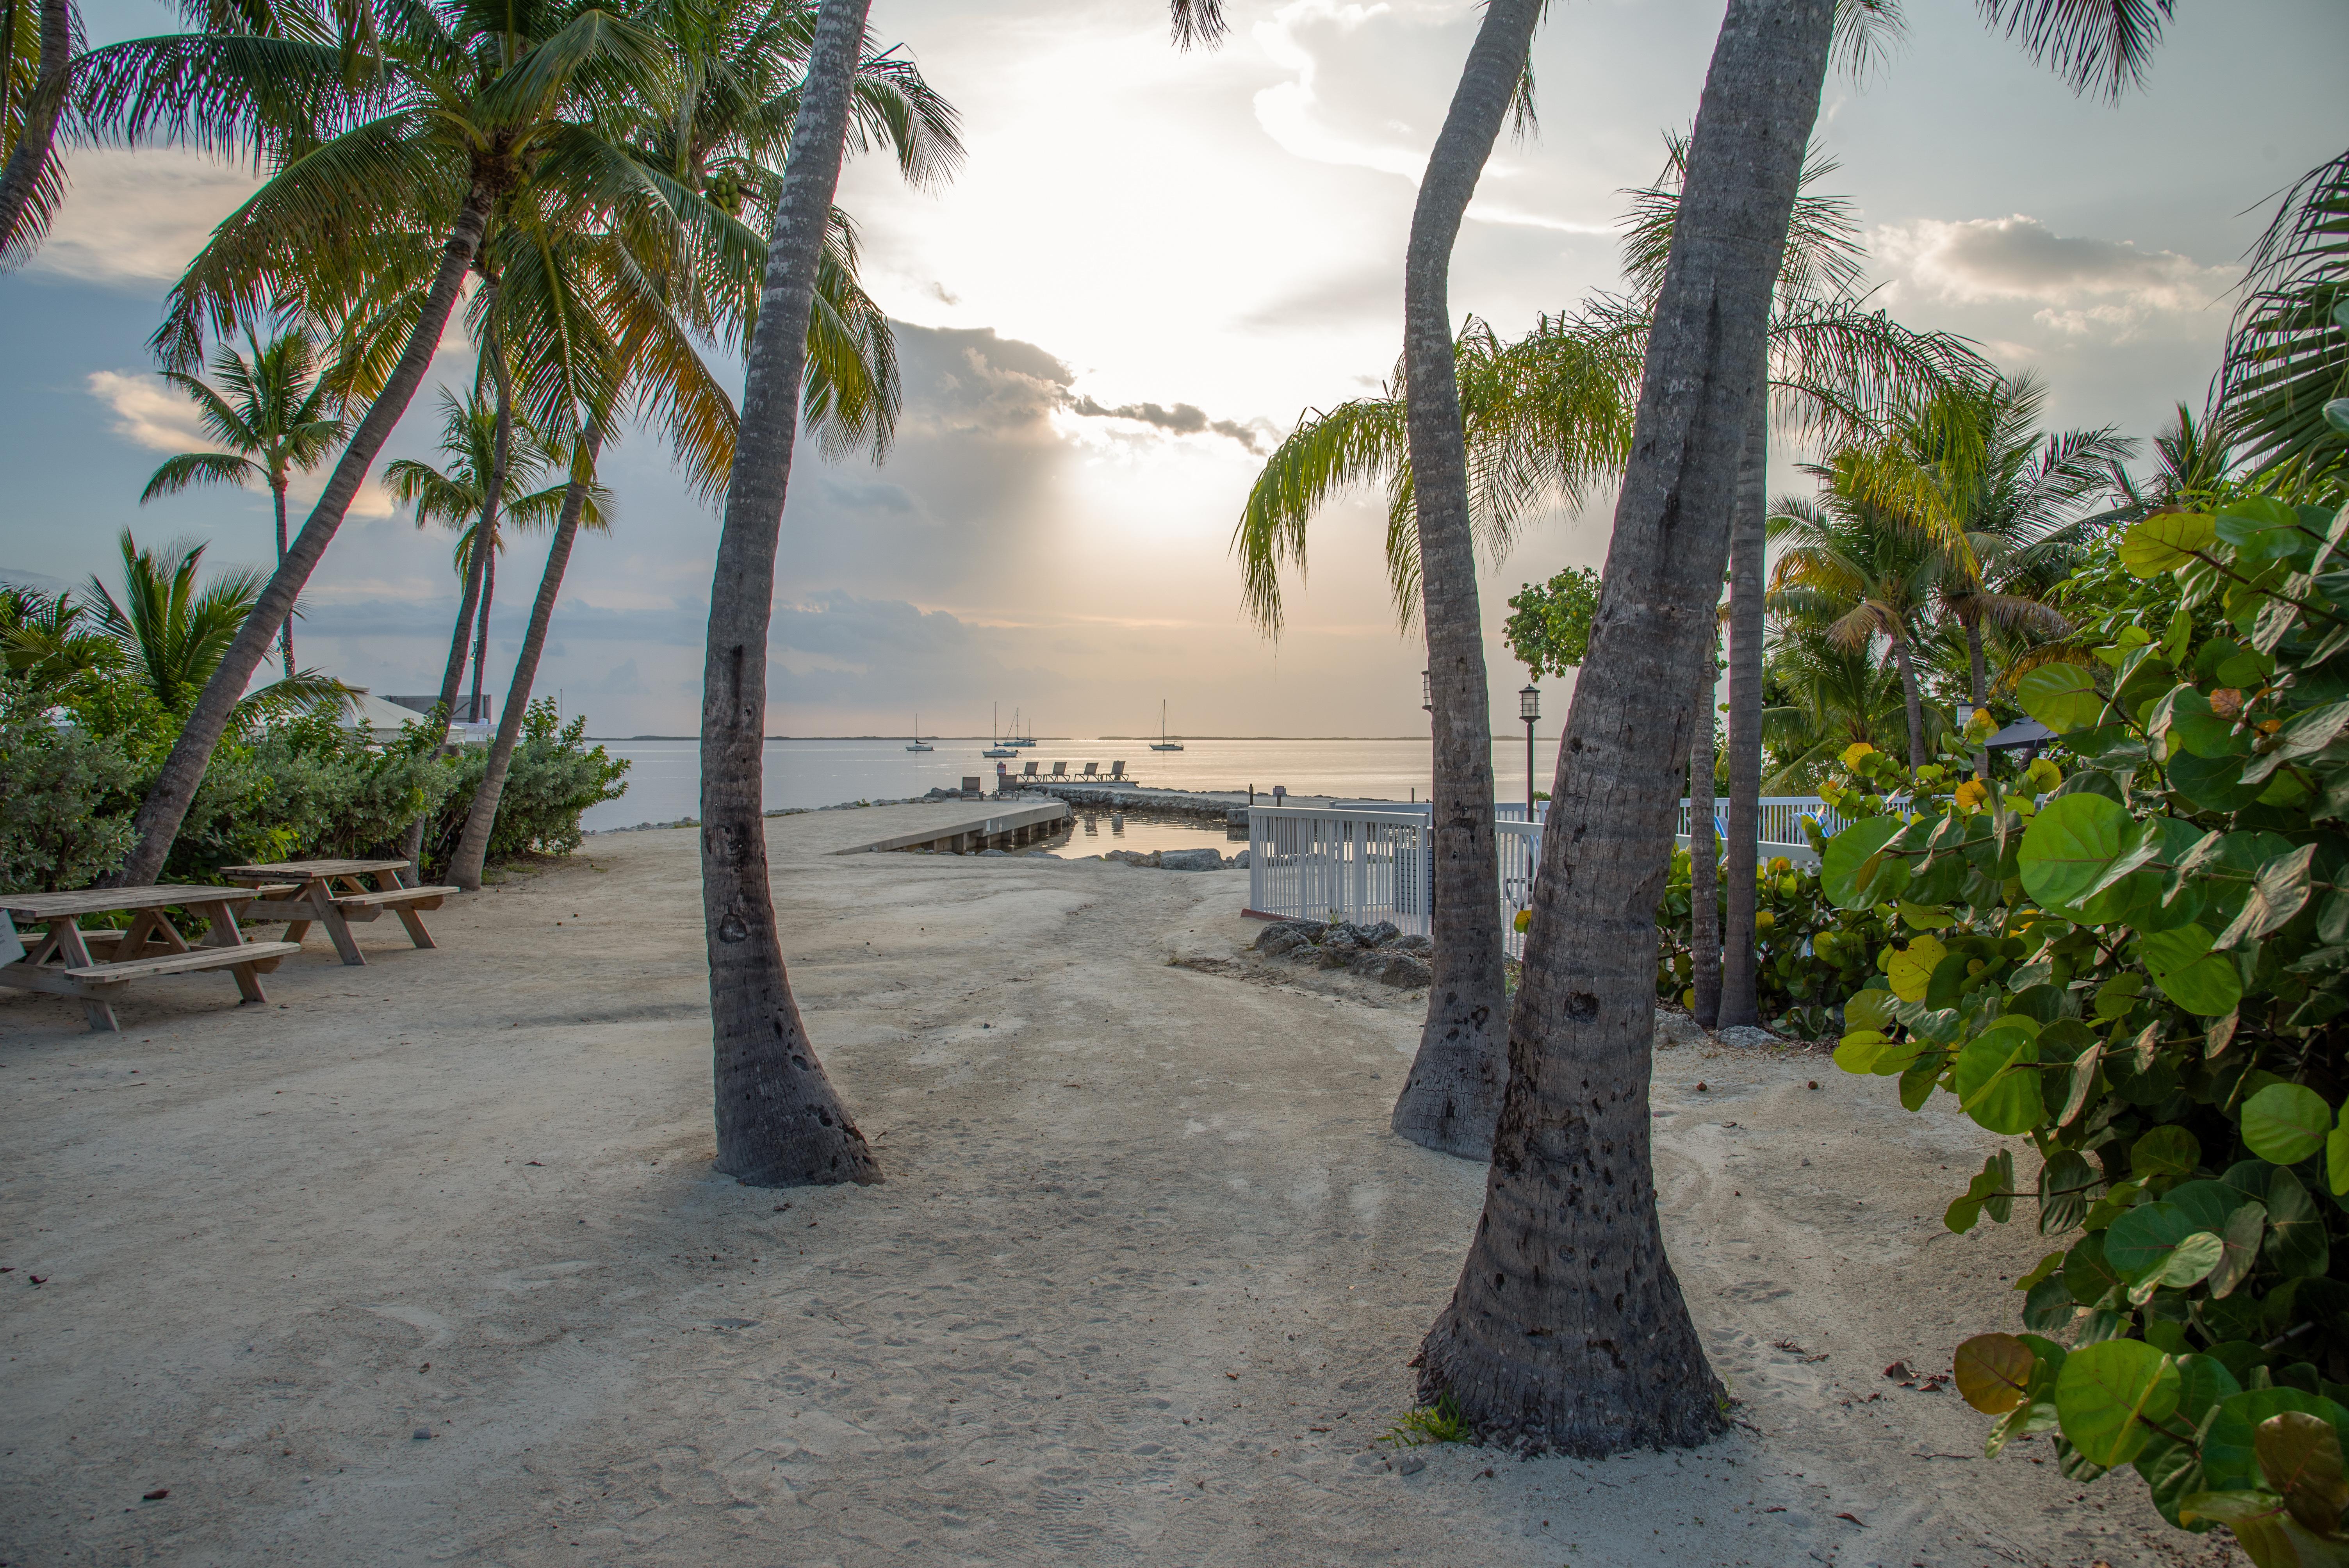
[[666, 781]]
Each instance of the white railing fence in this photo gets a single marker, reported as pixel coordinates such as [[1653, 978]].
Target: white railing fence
[[1364, 866]]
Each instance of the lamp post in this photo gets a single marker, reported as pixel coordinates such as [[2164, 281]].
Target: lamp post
[[1529, 709]]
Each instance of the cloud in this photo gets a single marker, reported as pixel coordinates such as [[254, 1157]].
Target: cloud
[[1183, 420], [137, 215], [2078, 281]]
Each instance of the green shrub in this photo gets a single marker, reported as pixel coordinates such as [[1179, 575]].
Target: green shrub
[[2143, 967], [553, 778], [62, 822]]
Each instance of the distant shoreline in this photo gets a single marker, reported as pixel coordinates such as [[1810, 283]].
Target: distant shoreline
[[1056, 739]]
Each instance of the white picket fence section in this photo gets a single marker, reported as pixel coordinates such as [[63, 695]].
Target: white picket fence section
[[1367, 865]]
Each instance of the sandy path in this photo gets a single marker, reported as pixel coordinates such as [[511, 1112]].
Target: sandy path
[[1140, 1288]]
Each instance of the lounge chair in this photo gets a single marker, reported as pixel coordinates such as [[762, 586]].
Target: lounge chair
[[971, 790], [1117, 773], [1031, 772], [1093, 770], [1060, 770]]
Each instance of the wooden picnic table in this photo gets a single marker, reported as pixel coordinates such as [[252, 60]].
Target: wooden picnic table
[[66, 960], [334, 894]]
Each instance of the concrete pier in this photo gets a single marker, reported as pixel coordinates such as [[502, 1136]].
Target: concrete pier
[[1007, 827]]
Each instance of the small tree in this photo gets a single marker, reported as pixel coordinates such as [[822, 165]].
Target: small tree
[[1550, 630]]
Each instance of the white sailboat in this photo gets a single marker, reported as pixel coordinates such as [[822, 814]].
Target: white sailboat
[[1161, 743], [919, 744], [1018, 736], [996, 747]]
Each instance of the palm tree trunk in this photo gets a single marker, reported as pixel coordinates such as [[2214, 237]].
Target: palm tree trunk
[[1704, 863], [1567, 1329], [1977, 686], [160, 815], [1454, 1091], [284, 633], [1748, 545], [1910, 699], [779, 1122], [473, 845], [21, 176], [481, 633]]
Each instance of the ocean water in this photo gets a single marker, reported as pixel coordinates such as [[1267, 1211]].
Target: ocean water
[[666, 781]]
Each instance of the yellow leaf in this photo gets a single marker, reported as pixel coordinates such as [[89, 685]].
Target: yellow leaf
[[1912, 968]]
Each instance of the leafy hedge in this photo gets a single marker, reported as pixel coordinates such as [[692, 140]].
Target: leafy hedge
[[1809, 955], [2142, 968]]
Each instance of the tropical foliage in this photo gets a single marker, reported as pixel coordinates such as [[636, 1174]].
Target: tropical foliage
[[2140, 959], [1549, 627]]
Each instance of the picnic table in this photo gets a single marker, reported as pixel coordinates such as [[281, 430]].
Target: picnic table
[[335, 895], [91, 965]]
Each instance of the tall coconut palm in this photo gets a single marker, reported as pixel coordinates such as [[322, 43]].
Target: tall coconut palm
[[275, 414], [1567, 1329], [171, 631], [36, 70], [595, 317], [1838, 371], [376, 124], [457, 496], [779, 1120], [1857, 573]]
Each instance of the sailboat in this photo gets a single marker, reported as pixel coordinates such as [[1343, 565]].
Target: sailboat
[[919, 744], [1015, 738], [996, 748], [1161, 743]]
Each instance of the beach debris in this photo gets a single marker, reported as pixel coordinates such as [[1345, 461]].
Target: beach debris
[[421, 1435]]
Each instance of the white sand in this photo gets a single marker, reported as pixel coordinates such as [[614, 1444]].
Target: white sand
[[1139, 1288]]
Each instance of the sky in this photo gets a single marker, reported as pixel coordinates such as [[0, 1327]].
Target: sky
[[1150, 263]]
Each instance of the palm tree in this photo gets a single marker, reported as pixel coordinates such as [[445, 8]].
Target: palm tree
[[2288, 355], [275, 415], [2192, 461], [1856, 572], [1528, 1349], [35, 66], [458, 497], [46, 644], [1830, 698], [170, 632], [391, 134]]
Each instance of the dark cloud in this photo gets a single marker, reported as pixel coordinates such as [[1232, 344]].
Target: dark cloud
[[1183, 420], [2019, 257]]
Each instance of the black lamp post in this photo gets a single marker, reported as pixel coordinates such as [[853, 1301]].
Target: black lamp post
[[1529, 709]]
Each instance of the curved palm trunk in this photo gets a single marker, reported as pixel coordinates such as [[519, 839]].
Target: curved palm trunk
[[1704, 861], [486, 538], [1910, 699], [23, 173], [1454, 1091], [481, 633], [166, 805], [284, 633], [1567, 1329], [779, 1122], [473, 845], [1748, 546]]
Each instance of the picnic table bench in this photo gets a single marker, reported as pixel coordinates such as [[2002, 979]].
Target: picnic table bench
[[335, 895], [91, 965]]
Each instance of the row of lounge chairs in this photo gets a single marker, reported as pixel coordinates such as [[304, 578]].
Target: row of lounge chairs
[[1060, 773]]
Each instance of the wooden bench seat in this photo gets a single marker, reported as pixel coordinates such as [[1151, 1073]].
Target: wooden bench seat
[[420, 897], [194, 960]]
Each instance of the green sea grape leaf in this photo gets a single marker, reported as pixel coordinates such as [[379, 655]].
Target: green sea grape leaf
[[1859, 1051], [2242, 1233], [2336, 1156], [2212, 783], [2064, 1182], [2284, 1123], [2116, 995], [1867, 1010], [2186, 722], [2230, 1439], [1998, 1080], [2165, 1152], [1911, 970], [1849, 867], [2064, 698], [2107, 1395], [2069, 844], [2296, 1243], [2202, 982], [2164, 544], [2139, 1243], [2086, 1275]]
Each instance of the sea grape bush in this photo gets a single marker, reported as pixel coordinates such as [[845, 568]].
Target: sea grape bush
[[2139, 965]]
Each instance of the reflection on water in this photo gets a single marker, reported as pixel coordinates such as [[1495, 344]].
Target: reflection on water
[[1095, 832]]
